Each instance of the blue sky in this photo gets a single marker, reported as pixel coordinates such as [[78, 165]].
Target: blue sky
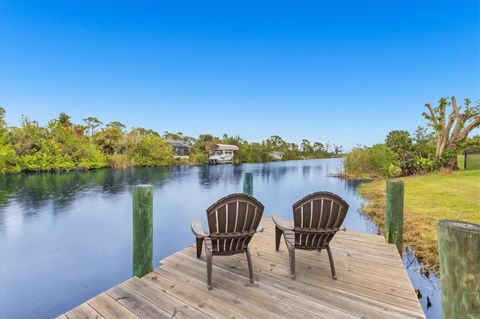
[[343, 71]]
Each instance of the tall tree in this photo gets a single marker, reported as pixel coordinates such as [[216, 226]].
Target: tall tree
[[64, 119], [8, 156], [399, 141], [307, 148], [116, 124], [92, 124], [453, 129], [337, 149], [424, 141], [276, 143], [3, 125], [2, 117]]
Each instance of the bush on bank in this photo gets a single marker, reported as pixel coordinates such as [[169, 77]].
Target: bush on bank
[[62, 145], [400, 155], [376, 161]]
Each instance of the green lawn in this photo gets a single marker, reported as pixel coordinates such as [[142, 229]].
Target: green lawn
[[473, 161], [428, 199]]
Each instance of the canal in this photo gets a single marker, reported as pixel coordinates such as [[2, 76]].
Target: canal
[[65, 237]]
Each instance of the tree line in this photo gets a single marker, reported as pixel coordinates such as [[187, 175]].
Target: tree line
[[62, 145], [430, 148]]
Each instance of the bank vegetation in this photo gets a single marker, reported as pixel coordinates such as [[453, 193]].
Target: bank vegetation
[[62, 145]]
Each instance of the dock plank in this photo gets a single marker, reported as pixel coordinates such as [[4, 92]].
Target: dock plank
[[110, 308], [226, 297], [83, 311], [137, 304], [372, 283], [168, 303]]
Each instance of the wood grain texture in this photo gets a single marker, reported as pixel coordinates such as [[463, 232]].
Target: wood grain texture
[[394, 213], [459, 251], [142, 230], [372, 283]]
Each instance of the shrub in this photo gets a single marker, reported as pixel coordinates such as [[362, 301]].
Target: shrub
[[48, 158], [8, 160], [121, 161], [375, 161], [90, 157], [447, 159], [199, 158], [399, 141], [424, 164], [151, 150]]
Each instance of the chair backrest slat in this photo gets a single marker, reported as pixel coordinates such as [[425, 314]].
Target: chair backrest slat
[[316, 218], [232, 221]]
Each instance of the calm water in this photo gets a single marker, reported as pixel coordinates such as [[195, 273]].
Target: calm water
[[64, 238]]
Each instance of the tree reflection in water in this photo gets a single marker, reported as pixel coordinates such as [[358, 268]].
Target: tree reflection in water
[[53, 225]]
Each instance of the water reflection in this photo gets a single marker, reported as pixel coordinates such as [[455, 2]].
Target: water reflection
[[33, 191], [427, 285], [69, 235]]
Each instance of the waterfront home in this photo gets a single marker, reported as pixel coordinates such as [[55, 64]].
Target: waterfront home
[[276, 156], [180, 149]]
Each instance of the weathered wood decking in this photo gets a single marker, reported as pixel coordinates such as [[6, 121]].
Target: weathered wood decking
[[372, 283]]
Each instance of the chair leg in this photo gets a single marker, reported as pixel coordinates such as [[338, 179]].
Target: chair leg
[[332, 266], [199, 247], [209, 270], [278, 235], [250, 267], [291, 256]]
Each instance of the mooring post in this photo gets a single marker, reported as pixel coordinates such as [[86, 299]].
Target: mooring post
[[459, 252], [142, 230], [394, 213], [248, 183]]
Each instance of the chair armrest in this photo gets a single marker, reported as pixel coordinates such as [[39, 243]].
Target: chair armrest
[[259, 228], [281, 223], [197, 229]]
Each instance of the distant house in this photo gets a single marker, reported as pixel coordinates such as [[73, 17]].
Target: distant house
[[276, 156], [180, 149]]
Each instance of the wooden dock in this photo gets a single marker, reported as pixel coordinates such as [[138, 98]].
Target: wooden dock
[[372, 283]]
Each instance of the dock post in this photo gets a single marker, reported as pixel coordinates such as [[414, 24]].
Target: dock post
[[459, 252], [394, 213], [142, 230], [248, 183]]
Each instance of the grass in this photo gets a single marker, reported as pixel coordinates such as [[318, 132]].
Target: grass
[[428, 199], [473, 161]]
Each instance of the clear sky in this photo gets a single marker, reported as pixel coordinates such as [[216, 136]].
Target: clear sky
[[343, 71]]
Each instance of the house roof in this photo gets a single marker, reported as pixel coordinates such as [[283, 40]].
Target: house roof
[[224, 147], [177, 143]]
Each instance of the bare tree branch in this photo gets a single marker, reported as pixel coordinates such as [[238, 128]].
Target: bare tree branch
[[461, 123], [432, 116]]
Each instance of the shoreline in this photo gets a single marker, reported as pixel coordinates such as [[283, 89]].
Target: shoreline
[[375, 209], [428, 199], [175, 163]]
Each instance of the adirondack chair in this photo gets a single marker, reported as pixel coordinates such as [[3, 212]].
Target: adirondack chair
[[316, 219], [232, 222]]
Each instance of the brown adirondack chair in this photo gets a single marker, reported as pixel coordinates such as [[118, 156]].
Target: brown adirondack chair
[[316, 219], [232, 221]]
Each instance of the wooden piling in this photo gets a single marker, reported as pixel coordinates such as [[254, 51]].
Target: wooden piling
[[394, 213], [142, 230], [248, 183], [459, 252]]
